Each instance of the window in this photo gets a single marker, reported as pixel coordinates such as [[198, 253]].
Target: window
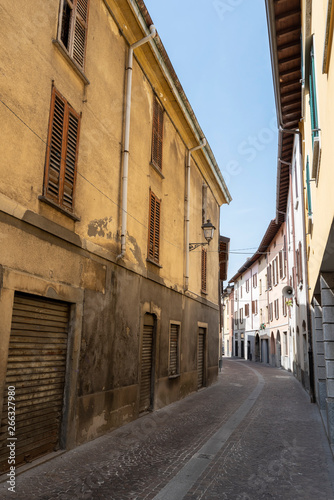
[[284, 306], [154, 229], [313, 98], [247, 310], [254, 307], [247, 286], [203, 270], [174, 350], [236, 318], [241, 315], [271, 312], [255, 280], [62, 153], [241, 292], [315, 129], [269, 277], [157, 137], [72, 28], [285, 346], [276, 307]]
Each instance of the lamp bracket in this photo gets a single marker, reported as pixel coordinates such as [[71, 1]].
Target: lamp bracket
[[193, 246]]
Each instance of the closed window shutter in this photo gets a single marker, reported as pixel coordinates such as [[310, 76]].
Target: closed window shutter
[[269, 276], [276, 266], [56, 146], [157, 137], [62, 152], [223, 259], [203, 270], [154, 229], [280, 265], [300, 263]]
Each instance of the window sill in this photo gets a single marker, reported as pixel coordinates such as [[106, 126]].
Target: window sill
[[46, 200], [157, 169], [177, 375], [69, 59], [154, 263]]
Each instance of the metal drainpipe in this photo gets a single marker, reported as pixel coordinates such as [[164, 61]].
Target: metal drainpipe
[[202, 145], [127, 137]]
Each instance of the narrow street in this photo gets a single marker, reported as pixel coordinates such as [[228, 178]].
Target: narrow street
[[253, 435]]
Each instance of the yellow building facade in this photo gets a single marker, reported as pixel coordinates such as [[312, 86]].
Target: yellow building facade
[[317, 131], [105, 311]]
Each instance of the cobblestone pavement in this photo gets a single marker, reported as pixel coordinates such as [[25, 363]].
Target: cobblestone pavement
[[252, 436]]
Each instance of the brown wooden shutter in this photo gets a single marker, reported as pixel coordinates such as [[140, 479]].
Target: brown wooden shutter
[[154, 228], [276, 270], [269, 276], [157, 136], [157, 231], [203, 270], [80, 31], [174, 350], [280, 256], [71, 158], [300, 272], [55, 146], [223, 259], [62, 152]]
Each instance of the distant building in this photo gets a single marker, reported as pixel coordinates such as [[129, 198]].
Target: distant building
[[260, 322], [227, 322]]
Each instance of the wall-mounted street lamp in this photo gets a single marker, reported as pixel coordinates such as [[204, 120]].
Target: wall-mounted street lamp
[[208, 230]]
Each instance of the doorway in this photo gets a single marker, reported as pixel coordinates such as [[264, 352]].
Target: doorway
[[146, 396]]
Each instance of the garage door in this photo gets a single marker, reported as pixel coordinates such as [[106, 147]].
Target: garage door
[[36, 368]]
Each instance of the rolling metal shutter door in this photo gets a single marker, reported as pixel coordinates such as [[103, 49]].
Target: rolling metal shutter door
[[146, 368], [36, 367], [173, 349], [200, 362]]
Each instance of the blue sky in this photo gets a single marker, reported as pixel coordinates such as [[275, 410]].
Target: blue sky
[[220, 52]]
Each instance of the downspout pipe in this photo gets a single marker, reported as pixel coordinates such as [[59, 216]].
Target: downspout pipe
[[132, 47], [190, 151]]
